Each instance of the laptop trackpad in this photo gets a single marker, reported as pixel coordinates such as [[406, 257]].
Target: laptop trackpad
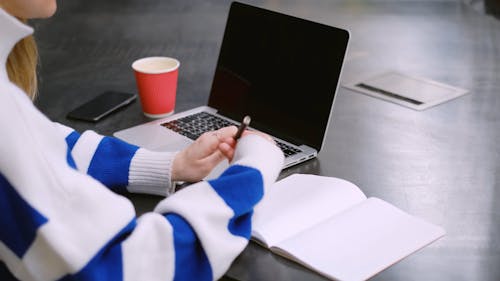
[[154, 137], [170, 141]]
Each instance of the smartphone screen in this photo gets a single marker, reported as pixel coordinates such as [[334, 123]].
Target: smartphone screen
[[101, 106]]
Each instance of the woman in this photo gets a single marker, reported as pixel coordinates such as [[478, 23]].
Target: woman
[[60, 221]]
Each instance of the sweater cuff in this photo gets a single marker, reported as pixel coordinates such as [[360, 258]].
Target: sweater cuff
[[256, 152], [151, 172]]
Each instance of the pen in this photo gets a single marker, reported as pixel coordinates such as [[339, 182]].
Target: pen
[[244, 124]]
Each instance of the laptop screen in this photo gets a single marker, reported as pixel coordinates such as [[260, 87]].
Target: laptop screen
[[281, 70]]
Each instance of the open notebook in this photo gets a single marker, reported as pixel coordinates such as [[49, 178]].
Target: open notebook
[[330, 226]]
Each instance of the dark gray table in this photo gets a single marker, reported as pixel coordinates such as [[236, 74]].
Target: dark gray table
[[442, 164]]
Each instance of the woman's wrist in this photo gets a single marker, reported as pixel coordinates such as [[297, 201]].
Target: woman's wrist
[[177, 166]]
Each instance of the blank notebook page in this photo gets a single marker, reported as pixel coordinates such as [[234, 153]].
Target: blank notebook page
[[362, 241]]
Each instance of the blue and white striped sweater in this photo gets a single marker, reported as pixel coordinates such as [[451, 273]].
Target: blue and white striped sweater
[[59, 223], [149, 255], [110, 160], [118, 165], [179, 231]]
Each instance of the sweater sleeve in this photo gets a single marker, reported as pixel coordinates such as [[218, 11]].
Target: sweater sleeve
[[59, 224], [232, 197], [119, 165], [194, 234]]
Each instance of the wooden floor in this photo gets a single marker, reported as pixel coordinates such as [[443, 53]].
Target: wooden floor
[[441, 164]]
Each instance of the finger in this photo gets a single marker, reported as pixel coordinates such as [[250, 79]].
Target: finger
[[230, 141], [212, 160], [205, 145], [227, 150]]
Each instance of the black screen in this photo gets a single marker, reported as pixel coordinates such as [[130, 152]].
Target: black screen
[[281, 70]]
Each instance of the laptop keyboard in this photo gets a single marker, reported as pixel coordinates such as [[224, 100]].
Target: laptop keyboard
[[287, 150], [195, 125]]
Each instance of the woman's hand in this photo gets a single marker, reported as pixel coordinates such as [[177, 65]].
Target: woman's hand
[[197, 160]]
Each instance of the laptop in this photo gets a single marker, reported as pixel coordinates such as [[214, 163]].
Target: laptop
[[281, 70]]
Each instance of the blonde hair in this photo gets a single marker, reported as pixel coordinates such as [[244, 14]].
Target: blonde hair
[[22, 64]]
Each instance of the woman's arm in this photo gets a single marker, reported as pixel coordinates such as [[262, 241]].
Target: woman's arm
[[211, 221], [119, 165], [125, 167], [59, 224]]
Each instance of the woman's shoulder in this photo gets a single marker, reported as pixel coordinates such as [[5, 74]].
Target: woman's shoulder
[[12, 97], [21, 122]]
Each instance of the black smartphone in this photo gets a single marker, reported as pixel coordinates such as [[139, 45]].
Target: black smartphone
[[101, 106]]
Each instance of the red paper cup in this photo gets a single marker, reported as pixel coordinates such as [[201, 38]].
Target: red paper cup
[[156, 79]]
